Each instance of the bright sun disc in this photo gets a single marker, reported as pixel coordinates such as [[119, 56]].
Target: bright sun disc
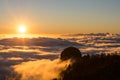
[[22, 29]]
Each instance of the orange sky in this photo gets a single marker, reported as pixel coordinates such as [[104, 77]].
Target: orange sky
[[50, 16]]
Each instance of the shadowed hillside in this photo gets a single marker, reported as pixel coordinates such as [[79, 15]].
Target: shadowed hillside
[[96, 67]]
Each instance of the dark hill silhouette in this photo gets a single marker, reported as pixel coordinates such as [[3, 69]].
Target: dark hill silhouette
[[96, 67], [70, 52]]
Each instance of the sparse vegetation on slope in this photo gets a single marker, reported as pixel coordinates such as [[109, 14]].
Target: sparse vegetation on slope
[[96, 67]]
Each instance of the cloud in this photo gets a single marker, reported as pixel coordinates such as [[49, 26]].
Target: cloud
[[29, 51], [45, 42], [89, 34], [27, 56], [15, 58], [41, 69], [11, 58]]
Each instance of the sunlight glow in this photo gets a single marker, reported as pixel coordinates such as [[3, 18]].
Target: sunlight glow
[[22, 29]]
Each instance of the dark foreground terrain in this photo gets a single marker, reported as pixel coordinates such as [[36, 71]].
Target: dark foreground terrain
[[97, 67]]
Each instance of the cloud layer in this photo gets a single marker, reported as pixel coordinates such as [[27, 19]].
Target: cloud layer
[[43, 51], [41, 69]]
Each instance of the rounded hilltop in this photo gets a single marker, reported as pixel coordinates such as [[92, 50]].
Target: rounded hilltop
[[70, 52]]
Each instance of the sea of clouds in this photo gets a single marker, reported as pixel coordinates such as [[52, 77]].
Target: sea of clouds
[[38, 58]]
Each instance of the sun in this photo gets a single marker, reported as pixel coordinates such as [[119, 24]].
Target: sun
[[22, 29]]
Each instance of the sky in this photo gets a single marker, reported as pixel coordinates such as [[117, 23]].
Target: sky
[[60, 16]]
